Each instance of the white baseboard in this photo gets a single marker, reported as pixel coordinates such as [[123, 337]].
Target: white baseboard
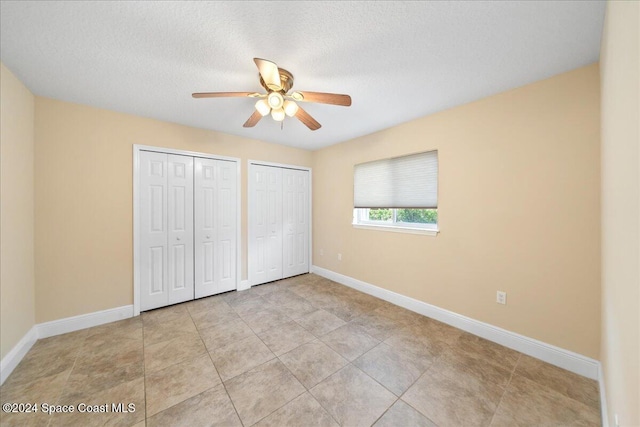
[[83, 321], [11, 359], [604, 413], [566, 359], [57, 327], [557, 356]]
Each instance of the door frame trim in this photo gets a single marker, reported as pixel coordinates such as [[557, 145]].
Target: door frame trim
[[137, 148], [251, 201]]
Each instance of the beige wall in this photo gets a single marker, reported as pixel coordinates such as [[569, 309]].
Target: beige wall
[[620, 80], [17, 302], [83, 185], [519, 209]]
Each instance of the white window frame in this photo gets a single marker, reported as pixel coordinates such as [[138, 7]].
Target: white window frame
[[396, 183], [359, 221]]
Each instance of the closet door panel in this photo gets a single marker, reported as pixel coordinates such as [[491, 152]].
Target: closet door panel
[[295, 222], [289, 221], [265, 218], [274, 224], [205, 227], [302, 222], [153, 230], [227, 227], [258, 225], [215, 226], [180, 228]]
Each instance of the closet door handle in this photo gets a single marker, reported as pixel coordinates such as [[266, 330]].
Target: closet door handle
[[208, 237], [177, 238]]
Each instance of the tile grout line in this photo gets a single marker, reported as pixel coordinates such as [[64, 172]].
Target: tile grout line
[[560, 394], [279, 360], [435, 360], [280, 407], [171, 339], [274, 357], [174, 364], [385, 411], [64, 386], [287, 368], [349, 362], [78, 361], [214, 367], [535, 381], [320, 403], [377, 382], [144, 373], [224, 386], [319, 339], [307, 390], [506, 387], [323, 408]]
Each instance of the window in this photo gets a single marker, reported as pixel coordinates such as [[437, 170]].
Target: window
[[398, 194]]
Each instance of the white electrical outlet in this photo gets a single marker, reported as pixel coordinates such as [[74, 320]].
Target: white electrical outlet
[[321, 252], [339, 257], [501, 297]]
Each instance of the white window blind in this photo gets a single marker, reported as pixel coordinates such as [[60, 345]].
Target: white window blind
[[401, 182]]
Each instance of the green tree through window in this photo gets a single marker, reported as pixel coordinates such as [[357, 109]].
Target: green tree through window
[[414, 216], [421, 216], [380, 214]]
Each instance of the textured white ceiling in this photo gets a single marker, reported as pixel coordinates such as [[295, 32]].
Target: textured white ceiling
[[397, 60]]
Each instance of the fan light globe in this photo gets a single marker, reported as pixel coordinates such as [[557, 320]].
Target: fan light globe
[[290, 108], [275, 100], [262, 107], [278, 115]]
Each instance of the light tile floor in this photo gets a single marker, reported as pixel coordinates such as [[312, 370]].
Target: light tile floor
[[303, 351]]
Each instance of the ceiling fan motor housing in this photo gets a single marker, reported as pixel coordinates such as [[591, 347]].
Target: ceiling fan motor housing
[[286, 80]]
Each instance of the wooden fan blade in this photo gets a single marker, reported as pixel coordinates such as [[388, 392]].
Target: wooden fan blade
[[308, 121], [324, 98], [253, 120], [223, 94], [269, 73]]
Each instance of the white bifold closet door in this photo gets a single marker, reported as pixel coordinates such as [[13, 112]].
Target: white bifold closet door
[[166, 214], [266, 222], [295, 212], [278, 223], [187, 228], [215, 226]]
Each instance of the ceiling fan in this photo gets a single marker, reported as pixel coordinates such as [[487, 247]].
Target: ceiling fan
[[278, 101]]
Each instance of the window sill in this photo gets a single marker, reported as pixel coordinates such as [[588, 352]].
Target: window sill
[[396, 229]]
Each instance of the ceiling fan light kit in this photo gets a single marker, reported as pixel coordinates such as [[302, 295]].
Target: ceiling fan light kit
[[275, 100], [290, 108], [278, 82], [277, 115], [263, 107]]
